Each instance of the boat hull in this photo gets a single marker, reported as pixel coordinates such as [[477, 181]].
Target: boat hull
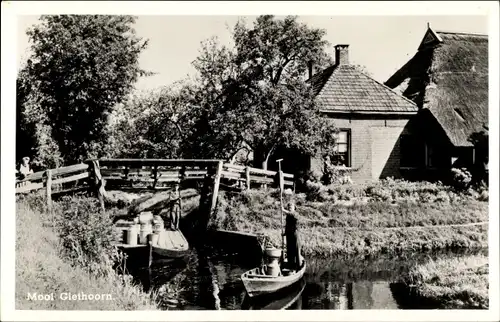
[[169, 253], [257, 284], [170, 244], [281, 300]]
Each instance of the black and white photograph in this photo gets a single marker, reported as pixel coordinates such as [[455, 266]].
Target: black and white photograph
[[169, 163]]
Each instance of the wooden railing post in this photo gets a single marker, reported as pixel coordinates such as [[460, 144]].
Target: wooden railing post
[[247, 174], [97, 181], [215, 191], [155, 176], [100, 184], [48, 185]]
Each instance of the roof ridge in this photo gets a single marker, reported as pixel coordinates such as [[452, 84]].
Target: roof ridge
[[385, 86], [461, 33]]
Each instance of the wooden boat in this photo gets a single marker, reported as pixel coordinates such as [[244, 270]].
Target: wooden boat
[[280, 300], [273, 276], [170, 244], [257, 283]]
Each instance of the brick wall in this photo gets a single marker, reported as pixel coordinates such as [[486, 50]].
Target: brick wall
[[375, 151]]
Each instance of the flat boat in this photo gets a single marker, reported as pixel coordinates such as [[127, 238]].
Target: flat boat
[[257, 283], [170, 244]]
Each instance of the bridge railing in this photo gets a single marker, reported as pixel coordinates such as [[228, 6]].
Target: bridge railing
[[153, 173], [54, 180], [148, 173]]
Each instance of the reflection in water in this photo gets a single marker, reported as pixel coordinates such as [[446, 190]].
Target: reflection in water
[[207, 282]]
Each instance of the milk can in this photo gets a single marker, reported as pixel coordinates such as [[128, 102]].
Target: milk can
[[132, 235], [273, 267], [146, 229], [145, 217]]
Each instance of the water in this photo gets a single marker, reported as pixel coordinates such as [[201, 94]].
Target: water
[[208, 281]]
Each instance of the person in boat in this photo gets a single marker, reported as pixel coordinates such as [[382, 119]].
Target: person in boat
[[291, 234], [175, 210]]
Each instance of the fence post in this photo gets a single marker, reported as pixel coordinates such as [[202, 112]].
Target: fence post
[[100, 184], [97, 182], [48, 185], [155, 176], [247, 173], [215, 191]]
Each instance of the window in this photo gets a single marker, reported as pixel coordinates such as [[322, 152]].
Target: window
[[430, 162], [411, 151], [342, 149]]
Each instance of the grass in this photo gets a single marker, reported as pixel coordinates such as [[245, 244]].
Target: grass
[[453, 283], [44, 266], [374, 227]]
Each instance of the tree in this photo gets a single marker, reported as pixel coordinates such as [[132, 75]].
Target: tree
[[256, 94], [151, 125], [80, 67], [214, 104]]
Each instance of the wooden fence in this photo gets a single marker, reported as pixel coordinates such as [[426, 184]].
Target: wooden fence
[[148, 173], [55, 179], [246, 176]]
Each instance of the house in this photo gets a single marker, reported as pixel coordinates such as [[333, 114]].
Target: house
[[448, 80], [370, 116]]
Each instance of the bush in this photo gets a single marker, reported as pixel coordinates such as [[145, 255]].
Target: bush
[[336, 174], [387, 190], [86, 234], [461, 179]]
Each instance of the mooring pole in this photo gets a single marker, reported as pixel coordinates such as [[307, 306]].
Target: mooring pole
[[281, 186]]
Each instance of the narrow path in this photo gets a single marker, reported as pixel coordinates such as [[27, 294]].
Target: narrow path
[[412, 227], [443, 226]]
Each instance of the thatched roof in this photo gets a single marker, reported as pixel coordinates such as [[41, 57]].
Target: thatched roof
[[449, 77]]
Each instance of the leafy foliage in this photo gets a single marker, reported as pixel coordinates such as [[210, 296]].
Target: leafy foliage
[[151, 125], [461, 178], [79, 68], [255, 94], [87, 235]]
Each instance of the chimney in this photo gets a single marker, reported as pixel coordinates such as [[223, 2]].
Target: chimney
[[310, 67], [342, 54]]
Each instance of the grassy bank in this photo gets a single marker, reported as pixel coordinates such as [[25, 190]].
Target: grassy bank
[[458, 283], [53, 256], [329, 227]]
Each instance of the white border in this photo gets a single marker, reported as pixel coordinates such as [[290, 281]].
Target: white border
[[9, 24]]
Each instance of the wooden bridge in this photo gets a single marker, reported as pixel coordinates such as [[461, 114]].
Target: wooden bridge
[[97, 175]]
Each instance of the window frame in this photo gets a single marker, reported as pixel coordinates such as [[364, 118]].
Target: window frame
[[348, 144]]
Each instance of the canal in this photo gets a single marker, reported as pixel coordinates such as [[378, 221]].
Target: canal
[[208, 280]]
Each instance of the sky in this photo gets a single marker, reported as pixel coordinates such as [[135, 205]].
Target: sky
[[381, 43]]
